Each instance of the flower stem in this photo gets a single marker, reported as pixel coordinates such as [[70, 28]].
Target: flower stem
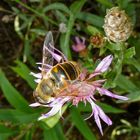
[[120, 56]]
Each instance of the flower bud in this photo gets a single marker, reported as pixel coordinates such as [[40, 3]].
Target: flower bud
[[97, 40], [117, 26]]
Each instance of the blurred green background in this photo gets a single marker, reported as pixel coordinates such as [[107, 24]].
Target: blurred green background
[[23, 26]]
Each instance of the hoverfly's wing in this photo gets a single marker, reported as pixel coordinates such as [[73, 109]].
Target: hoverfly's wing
[[50, 53], [47, 59]]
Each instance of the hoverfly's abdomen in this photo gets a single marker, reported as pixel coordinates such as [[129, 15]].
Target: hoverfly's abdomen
[[63, 73], [67, 70]]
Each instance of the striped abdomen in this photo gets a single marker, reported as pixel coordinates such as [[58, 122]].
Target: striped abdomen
[[63, 73]]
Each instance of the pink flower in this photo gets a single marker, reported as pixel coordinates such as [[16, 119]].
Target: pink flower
[[84, 90], [79, 45]]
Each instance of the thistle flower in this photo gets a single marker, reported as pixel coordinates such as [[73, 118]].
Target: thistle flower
[[117, 26], [79, 44], [83, 90]]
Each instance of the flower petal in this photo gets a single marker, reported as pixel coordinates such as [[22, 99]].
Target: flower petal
[[57, 57], [104, 64], [52, 112], [110, 94], [102, 115], [37, 80], [37, 75], [47, 65], [96, 116], [56, 107], [79, 45], [35, 104], [98, 113]]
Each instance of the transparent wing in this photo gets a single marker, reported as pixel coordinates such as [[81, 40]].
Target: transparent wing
[[50, 53], [47, 58]]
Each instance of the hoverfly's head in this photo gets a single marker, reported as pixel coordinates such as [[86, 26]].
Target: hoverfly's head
[[43, 93]]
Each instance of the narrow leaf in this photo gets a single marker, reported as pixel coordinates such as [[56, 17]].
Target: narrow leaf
[[91, 18], [16, 116], [54, 133], [81, 125], [5, 132], [77, 6], [105, 2], [22, 70], [56, 6], [12, 95], [130, 87]]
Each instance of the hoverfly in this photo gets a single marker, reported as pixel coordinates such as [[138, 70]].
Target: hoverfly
[[54, 78]]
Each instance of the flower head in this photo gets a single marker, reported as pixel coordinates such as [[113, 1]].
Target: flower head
[[118, 26], [97, 40], [83, 89], [79, 44]]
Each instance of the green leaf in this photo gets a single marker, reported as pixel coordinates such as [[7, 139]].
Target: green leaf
[[128, 86], [17, 116], [55, 133], [38, 31], [61, 16], [77, 6], [91, 19], [52, 121], [60, 132], [5, 132], [129, 53], [56, 6], [12, 95], [134, 62], [66, 38], [123, 3], [113, 46], [93, 30], [105, 2], [81, 125], [22, 70]]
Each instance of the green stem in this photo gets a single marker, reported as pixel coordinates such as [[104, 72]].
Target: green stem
[[119, 63]]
